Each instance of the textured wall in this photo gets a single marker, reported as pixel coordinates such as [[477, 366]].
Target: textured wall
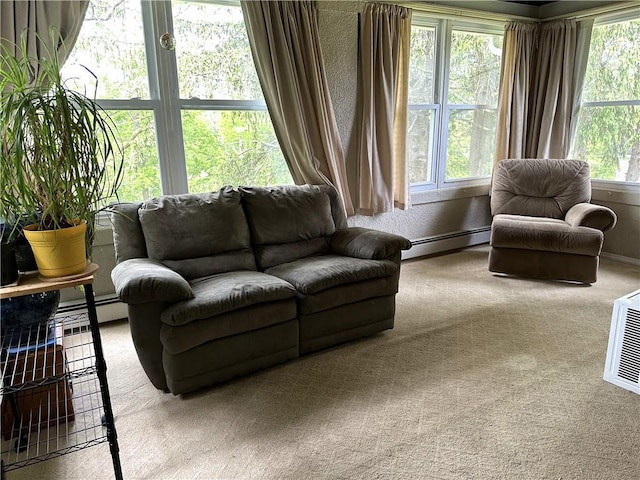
[[338, 25], [624, 239], [339, 40]]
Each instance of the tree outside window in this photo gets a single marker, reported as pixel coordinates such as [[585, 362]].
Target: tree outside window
[[608, 131], [205, 95], [453, 96]]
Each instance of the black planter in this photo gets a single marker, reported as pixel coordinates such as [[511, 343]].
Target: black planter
[[8, 265], [12, 231], [26, 318], [25, 260]]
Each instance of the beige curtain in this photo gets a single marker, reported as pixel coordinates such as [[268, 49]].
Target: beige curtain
[[520, 40], [557, 83], [384, 43], [288, 58], [543, 69], [33, 18]]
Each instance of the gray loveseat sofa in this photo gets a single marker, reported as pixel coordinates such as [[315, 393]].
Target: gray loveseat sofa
[[225, 283]]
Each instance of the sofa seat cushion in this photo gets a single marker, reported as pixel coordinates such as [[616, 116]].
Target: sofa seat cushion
[[348, 294], [226, 292], [314, 274], [544, 234], [181, 338]]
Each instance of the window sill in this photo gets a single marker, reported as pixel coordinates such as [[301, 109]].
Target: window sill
[[616, 192], [450, 193]]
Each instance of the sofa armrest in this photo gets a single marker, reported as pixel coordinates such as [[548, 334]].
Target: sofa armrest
[[140, 280], [368, 243], [590, 215]]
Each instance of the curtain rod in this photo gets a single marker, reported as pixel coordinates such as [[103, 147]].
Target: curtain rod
[[449, 11], [603, 10]]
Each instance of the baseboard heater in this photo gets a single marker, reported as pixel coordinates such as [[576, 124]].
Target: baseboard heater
[[447, 241], [108, 308]]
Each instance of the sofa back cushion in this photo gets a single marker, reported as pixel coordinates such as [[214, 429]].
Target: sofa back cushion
[[288, 222], [128, 238], [539, 187], [198, 234]]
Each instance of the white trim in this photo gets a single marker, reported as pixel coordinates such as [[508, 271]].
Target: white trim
[[621, 258], [424, 9], [210, 104], [615, 12], [169, 135], [611, 103], [130, 104], [108, 308], [626, 193]]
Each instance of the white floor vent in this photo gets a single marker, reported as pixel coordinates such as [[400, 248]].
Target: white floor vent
[[623, 355]]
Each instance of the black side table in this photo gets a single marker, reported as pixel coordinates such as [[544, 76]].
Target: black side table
[[55, 396]]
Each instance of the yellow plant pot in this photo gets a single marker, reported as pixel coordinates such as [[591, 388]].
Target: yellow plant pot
[[58, 253]]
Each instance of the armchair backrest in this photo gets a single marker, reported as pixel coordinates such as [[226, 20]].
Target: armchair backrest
[[539, 187]]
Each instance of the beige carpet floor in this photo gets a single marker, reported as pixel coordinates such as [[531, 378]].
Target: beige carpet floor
[[483, 377]]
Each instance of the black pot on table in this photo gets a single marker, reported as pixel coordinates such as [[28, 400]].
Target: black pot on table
[[26, 319]]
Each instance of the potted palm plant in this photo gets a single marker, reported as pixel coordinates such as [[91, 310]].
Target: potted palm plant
[[60, 160]]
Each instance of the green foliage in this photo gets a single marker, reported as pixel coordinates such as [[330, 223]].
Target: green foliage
[[214, 62], [608, 136], [474, 79], [420, 121], [231, 148], [141, 171], [474, 71], [60, 158]]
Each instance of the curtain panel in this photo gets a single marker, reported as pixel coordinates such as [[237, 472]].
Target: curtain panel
[[30, 21], [520, 40], [384, 44], [286, 51], [543, 72]]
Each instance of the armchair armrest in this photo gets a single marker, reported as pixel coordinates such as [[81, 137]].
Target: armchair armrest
[[141, 280], [590, 215], [368, 243]]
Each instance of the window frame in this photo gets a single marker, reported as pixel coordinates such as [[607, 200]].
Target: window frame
[[439, 188], [619, 187], [164, 97]]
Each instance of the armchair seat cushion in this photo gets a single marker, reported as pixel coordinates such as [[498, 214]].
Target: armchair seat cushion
[[544, 234], [311, 275], [226, 292]]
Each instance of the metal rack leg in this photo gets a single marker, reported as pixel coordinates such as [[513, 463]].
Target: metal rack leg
[[101, 368]]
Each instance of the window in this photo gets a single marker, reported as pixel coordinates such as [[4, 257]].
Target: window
[[109, 56], [453, 94], [191, 118], [228, 134], [608, 130]]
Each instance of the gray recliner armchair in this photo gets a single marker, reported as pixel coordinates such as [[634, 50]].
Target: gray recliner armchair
[[543, 224]]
